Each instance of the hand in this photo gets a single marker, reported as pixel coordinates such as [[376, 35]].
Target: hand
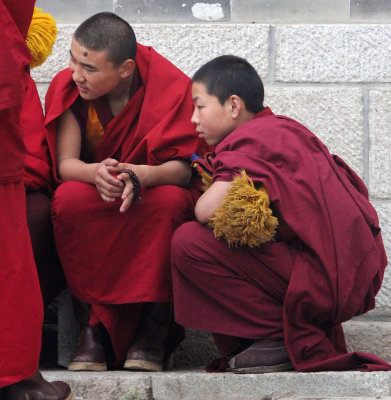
[[108, 186], [128, 192], [142, 171]]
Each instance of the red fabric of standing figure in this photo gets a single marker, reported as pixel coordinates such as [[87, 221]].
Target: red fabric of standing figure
[[300, 290], [112, 259], [38, 168], [20, 303]]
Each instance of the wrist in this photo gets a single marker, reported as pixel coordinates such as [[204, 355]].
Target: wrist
[[135, 182]]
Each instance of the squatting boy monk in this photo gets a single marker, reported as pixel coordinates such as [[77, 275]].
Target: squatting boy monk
[[120, 106], [287, 245], [21, 309]]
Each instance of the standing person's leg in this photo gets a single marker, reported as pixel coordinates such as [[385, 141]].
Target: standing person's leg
[[20, 304], [20, 307]]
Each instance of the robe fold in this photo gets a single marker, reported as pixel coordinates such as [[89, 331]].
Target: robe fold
[[111, 259], [38, 168], [328, 273], [20, 304]]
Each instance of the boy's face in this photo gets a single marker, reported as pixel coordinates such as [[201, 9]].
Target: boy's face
[[93, 74], [213, 121]]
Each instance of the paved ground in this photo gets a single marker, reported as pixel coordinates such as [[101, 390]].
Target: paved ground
[[198, 385]]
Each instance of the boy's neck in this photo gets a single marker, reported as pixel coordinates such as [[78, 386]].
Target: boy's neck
[[119, 98], [245, 116]]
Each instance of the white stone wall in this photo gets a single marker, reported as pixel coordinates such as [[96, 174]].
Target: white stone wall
[[234, 11], [335, 79]]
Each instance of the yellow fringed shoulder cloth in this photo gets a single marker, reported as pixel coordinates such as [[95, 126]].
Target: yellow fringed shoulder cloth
[[41, 37], [245, 217]]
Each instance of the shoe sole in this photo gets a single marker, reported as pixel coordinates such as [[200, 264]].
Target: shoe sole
[[87, 366], [263, 369], [141, 365], [70, 397]]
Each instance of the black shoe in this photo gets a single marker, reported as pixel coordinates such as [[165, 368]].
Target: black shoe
[[262, 356], [37, 388]]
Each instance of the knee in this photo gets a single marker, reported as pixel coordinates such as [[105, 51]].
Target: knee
[[70, 197], [172, 201], [187, 242]]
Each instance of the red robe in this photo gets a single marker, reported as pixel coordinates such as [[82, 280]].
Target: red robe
[[300, 290], [113, 259], [38, 168], [20, 303]]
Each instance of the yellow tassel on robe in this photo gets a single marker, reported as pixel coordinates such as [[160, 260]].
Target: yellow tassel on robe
[[245, 217], [207, 180], [41, 37]]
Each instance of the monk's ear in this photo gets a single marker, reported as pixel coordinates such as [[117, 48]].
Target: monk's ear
[[236, 104], [127, 68]]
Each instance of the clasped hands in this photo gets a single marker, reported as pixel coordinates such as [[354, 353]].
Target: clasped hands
[[112, 184]]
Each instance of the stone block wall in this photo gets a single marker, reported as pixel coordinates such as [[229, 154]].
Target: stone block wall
[[246, 11], [333, 78]]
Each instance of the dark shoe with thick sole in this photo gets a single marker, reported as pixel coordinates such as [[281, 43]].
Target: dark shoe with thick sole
[[90, 353], [37, 388], [261, 357], [147, 352], [138, 359]]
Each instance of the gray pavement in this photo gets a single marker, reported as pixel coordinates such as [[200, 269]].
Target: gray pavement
[[196, 384]]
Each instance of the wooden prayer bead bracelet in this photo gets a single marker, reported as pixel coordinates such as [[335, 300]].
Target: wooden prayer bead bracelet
[[135, 181]]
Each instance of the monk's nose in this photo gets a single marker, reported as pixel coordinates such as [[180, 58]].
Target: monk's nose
[[77, 75], [194, 119]]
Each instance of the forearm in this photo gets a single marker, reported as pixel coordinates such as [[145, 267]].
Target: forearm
[[210, 201], [170, 173], [72, 169]]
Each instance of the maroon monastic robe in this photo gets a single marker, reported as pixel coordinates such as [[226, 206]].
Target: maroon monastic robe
[[112, 259], [20, 302], [301, 290]]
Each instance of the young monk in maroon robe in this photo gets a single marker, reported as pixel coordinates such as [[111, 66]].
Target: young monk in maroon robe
[[20, 302], [295, 247], [120, 107]]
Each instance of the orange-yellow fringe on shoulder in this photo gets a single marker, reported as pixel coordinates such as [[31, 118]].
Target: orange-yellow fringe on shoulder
[[41, 37], [207, 180], [245, 217]]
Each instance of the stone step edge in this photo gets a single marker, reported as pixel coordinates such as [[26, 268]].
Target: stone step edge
[[197, 384]]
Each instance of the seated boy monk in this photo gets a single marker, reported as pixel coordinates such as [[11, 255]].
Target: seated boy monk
[[295, 248], [120, 106]]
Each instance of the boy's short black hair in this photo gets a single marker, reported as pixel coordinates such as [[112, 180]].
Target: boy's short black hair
[[227, 75], [107, 31]]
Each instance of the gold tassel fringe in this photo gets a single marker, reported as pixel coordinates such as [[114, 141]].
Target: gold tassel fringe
[[207, 180], [245, 217], [41, 37]]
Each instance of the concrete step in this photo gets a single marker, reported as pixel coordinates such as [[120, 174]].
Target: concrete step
[[196, 384]]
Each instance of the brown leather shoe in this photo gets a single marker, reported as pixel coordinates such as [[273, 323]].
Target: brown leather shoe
[[147, 351], [262, 356], [144, 360], [90, 353], [37, 388]]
